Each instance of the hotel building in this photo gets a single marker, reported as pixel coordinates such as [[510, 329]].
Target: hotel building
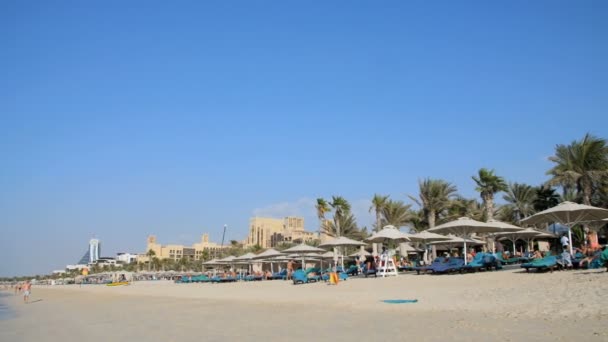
[[176, 252], [269, 232]]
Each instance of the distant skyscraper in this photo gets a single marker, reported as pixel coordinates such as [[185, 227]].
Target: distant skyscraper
[[92, 254], [94, 250]]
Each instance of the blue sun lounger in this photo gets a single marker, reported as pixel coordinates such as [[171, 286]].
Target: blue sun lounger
[[548, 262], [300, 277], [453, 265], [435, 263]]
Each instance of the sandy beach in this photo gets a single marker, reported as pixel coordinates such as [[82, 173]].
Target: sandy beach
[[507, 305]]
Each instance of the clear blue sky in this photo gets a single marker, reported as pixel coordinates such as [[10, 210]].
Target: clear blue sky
[[174, 118]]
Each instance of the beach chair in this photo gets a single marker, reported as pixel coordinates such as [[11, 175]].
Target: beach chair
[[299, 277], [504, 261], [369, 272], [435, 263], [201, 279], [352, 270], [476, 264], [548, 262], [280, 275], [453, 265], [185, 279]]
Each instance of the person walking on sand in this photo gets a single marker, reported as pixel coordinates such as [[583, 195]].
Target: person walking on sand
[[26, 291]]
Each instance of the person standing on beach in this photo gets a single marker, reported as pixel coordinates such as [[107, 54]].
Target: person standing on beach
[[289, 269], [26, 291]]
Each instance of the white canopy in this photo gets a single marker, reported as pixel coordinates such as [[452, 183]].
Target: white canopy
[[388, 233], [341, 241], [568, 214], [360, 253], [269, 253], [425, 236], [303, 248]]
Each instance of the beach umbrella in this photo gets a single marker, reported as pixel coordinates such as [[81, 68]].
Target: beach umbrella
[[269, 253], [465, 226], [303, 248], [227, 260], [426, 237], [302, 251], [568, 214], [506, 227], [328, 255], [518, 235], [388, 233], [360, 253], [341, 241], [245, 257], [458, 240], [409, 248], [212, 262]]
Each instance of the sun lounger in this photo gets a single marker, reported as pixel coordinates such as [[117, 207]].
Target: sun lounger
[[548, 262], [369, 272], [201, 279], [299, 277], [506, 261], [453, 265], [280, 275], [482, 261], [435, 263], [352, 270]]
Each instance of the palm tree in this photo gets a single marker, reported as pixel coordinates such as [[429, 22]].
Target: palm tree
[[150, 254], [156, 263], [348, 227], [435, 195], [546, 198], [379, 203], [489, 184], [165, 263], [581, 166], [322, 208], [520, 200], [460, 206], [340, 206], [418, 220], [184, 263], [396, 213]]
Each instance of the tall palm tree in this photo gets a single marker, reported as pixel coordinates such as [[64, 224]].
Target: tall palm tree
[[489, 184], [322, 208], [460, 206], [379, 203], [156, 263], [340, 206], [546, 198], [348, 227], [580, 165], [151, 253], [396, 213], [520, 200], [434, 198]]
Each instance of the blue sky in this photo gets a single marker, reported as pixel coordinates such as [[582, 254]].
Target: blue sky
[[121, 120]]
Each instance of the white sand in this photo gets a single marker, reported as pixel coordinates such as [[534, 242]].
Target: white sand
[[507, 305]]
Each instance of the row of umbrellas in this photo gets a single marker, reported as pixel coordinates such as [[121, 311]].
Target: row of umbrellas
[[462, 230]]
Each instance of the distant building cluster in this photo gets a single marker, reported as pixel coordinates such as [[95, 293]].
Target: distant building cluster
[[176, 252], [269, 232], [263, 231]]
